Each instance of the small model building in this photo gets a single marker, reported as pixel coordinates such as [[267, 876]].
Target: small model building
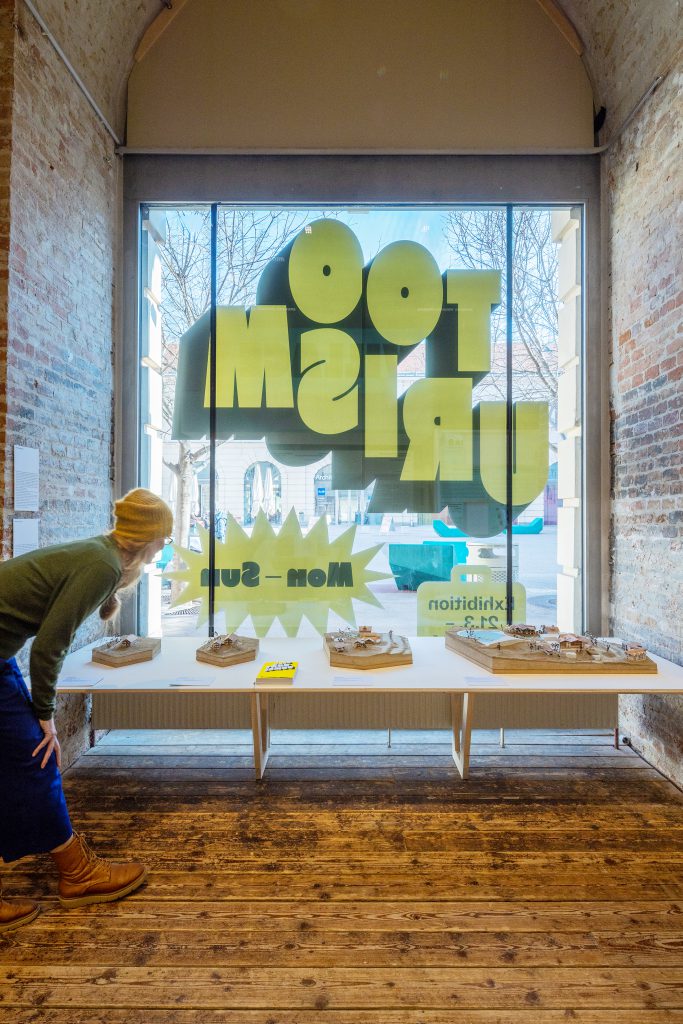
[[545, 644], [366, 636], [126, 650], [572, 642], [228, 649], [521, 629], [363, 648], [634, 651]]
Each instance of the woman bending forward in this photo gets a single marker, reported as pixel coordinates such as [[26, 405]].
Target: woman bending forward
[[47, 594]]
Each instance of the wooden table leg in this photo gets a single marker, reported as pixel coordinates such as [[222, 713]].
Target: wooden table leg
[[259, 728], [456, 718], [461, 707], [265, 722]]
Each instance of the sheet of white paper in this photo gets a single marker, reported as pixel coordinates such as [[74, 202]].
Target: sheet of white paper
[[479, 680], [191, 681], [25, 536], [79, 681], [348, 681], [26, 479]]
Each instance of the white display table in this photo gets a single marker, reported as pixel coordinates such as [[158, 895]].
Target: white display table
[[434, 670]]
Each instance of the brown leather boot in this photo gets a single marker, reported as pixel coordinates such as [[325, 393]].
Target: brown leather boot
[[86, 878], [16, 912]]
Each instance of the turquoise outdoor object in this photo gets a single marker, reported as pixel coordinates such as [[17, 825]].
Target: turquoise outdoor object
[[166, 556], [413, 564], [459, 548], [535, 526]]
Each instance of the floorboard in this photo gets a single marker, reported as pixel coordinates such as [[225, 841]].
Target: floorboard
[[366, 887]]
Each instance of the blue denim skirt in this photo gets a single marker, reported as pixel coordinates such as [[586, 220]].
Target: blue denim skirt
[[33, 814]]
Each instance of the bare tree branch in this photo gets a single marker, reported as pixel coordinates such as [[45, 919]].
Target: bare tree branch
[[477, 240], [247, 239]]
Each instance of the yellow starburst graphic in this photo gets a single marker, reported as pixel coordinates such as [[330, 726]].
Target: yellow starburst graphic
[[283, 575]]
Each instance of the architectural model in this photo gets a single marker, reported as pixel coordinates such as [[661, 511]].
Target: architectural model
[[228, 649], [126, 650], [524, 648], [364, 648]]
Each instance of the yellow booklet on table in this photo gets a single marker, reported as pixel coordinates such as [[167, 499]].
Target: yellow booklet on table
[[277, 672]]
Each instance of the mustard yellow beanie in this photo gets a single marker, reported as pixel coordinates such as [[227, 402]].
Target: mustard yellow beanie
[[141, 516]]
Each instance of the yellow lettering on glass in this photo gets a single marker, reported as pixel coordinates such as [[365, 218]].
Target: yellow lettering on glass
[[252, 353], [404, 293], [283, 575], [326, 271], [476, 293], [327, 397], [529, 450], [471, 600], [437, 416], [381, 424]]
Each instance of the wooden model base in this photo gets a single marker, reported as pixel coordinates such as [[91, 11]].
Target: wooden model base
[[517, 655], [389, 651], [242, 648], [117, 652]]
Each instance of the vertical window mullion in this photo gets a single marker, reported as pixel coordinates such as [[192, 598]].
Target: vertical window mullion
[[509, 409], [212, 423]]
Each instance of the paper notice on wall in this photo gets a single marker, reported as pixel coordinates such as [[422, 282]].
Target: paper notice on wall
[[25, 536], [26, 479]]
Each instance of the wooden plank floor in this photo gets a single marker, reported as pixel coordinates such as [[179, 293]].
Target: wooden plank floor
[[367, 889]]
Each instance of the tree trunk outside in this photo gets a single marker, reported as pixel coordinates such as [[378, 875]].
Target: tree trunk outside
[[184, 471]]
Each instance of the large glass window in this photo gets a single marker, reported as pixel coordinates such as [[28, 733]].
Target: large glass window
[[362, 415]]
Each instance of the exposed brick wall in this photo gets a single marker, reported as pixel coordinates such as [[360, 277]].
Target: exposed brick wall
[[6, 93], [63, 239], [59, 376], [642, 187]]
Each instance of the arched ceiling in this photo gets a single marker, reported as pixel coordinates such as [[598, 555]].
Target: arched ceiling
[[99, 39], [627, 44]]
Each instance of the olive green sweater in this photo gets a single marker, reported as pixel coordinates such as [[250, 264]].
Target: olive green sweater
[[47, 594]]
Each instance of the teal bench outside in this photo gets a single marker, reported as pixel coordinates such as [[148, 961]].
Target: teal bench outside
[[413, 564], [535, 526]]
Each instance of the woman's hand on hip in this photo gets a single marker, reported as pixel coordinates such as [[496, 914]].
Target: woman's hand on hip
[[49, 743]]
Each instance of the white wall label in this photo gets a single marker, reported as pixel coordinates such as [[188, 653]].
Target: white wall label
[[25, 536], [26, 479]]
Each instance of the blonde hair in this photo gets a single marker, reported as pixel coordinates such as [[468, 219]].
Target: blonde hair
[[133, 561]]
